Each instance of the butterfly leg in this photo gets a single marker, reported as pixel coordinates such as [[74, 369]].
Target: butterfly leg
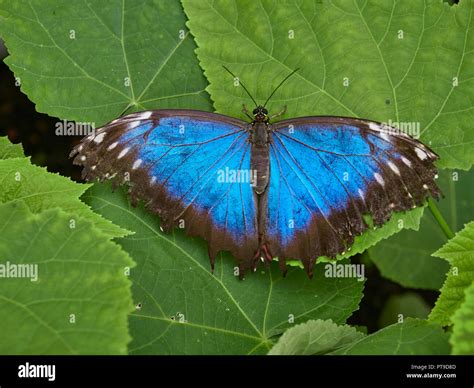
[[280, 113], [262, 253]]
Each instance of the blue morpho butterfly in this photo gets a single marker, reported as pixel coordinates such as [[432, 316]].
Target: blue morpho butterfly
[[294, 189]]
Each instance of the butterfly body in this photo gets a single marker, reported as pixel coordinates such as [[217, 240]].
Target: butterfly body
[[294, 189], [260, 151]]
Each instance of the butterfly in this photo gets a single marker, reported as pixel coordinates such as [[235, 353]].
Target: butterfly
[[294, 189]]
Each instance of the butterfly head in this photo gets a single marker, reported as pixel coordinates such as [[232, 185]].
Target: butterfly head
[[260, 114]]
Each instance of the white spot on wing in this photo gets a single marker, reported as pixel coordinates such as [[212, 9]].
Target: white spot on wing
[[394, 168], [361, 193], [152, 180], [384, 135], [144, 115], [137, 164], [98, 139], [374, 127], [421, 154], [112, 146], [379, 179], [123, 153], [425, 187], [82, 158], [406, 161], [80, 148], [134, 124]]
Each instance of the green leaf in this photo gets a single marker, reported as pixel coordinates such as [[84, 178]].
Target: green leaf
[[410, 262], [41, 190], [188, 310], [9, 150], [459, 252], [412, 337], [408, 304], [393, 54], [77, 303], [315, 337], [462, 339], [88, 61]]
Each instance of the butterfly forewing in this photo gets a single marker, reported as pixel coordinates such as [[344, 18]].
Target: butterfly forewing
[[186, 166], [327, 172]]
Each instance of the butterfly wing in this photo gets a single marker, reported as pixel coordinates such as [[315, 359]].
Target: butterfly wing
[[185, 166], [327, 172]]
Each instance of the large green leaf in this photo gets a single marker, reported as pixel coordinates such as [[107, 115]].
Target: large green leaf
[[9, 150], [403, 61], [77, 299], [41, 190], [410, 262], [89, 60], [185, 309], [462, 338], [459, 252], [413, 336], [315, 337]]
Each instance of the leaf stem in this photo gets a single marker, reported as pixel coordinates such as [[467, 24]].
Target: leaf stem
[[440, 219]]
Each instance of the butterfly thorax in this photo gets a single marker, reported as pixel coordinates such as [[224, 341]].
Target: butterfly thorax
[[259, 156]]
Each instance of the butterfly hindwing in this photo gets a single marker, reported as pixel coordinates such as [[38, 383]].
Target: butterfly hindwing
[[185, 166], [327, 172]]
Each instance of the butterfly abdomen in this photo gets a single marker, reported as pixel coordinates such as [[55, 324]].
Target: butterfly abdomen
[[260, 157]]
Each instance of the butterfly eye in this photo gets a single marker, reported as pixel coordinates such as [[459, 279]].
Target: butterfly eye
[[264, 111], [255, 111]]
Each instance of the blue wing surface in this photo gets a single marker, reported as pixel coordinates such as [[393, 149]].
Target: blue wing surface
[[192, 168], [326, 173]]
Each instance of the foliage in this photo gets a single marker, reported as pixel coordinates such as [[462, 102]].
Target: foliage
[[63, 286], [414, 336], [410, 262], [188, 310], [459, 252], [91, 61]]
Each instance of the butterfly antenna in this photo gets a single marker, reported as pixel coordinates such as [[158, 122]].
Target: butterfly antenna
[[241, 84], [278, 87]]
